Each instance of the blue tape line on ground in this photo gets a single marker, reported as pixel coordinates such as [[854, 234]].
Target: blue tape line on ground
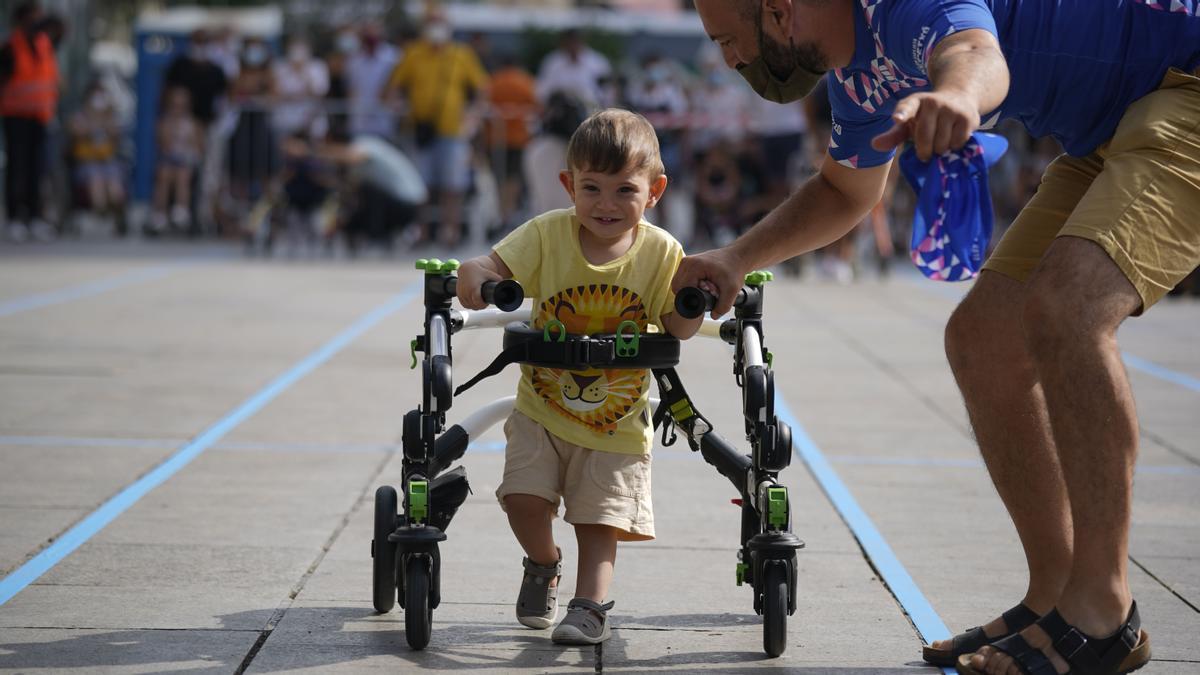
[[923, 616], [85, 290], [1161, 372], [37, 566]]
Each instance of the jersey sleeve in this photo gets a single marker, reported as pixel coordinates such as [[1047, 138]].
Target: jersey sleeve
[[853, 127], [521, 250], [906, 33], [912, 29]]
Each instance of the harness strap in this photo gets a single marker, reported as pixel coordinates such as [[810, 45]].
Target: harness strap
[[523, 344], [510, 355], [675, 408]]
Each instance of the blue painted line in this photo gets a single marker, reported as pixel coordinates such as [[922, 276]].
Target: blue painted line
[[928, 623], [63, 546], [1161, 372], [87, 289]]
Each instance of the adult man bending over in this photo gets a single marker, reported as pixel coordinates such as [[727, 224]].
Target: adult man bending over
[[1033, 346]]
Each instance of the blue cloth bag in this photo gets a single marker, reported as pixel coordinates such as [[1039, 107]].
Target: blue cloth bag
[[952, 224]]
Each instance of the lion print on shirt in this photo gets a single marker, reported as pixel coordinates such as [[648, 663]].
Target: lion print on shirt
[[597, 399]]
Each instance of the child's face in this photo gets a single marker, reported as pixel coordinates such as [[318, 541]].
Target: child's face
[[609, 205]]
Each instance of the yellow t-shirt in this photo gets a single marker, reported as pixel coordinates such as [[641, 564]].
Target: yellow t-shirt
[[436, 81], [598, 409]]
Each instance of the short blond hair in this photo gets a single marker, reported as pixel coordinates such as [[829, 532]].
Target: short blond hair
[[612, 140]]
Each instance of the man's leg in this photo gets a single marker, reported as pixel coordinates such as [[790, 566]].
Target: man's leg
[[996, 374], [1076, 301]]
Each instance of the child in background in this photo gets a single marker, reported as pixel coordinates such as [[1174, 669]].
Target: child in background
[[307, 183], [180, 147], [95, 138], [585, 437]]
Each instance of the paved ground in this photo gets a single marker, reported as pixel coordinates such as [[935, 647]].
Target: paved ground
[[117, 358]]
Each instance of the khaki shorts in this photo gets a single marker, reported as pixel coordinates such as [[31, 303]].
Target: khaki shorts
[[1137, 196], [598, 488]]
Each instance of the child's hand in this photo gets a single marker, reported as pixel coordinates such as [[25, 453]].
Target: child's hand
[[471, 277], [680, 327]]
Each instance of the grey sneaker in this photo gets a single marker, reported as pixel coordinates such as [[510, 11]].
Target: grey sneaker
[[586, 623], [537, 601]]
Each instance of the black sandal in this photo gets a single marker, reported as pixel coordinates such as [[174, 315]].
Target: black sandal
[[972, 640], [1123, 652]]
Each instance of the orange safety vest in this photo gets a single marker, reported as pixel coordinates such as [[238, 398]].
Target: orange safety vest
[[32, 91]]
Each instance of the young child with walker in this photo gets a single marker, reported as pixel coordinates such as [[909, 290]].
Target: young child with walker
[[584, 437]]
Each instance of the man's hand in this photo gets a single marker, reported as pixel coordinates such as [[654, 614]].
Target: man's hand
[[719, 272], [471, 277], [936, 122]]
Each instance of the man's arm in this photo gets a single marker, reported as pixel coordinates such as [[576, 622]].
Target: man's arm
[[824, 209], [970, 78]]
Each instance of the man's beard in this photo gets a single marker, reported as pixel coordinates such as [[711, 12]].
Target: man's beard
[[783, 59]]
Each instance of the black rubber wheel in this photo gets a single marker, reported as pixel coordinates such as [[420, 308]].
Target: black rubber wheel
[[418, 615], [775, 608], [383, 571]]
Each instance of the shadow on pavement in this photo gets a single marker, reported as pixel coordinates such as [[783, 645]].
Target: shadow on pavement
[[330, 636]]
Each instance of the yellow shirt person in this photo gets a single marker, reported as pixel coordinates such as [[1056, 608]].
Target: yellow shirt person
[[598, 409], [437, 80]]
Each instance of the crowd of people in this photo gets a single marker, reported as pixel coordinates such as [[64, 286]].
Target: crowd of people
[[257, 141]]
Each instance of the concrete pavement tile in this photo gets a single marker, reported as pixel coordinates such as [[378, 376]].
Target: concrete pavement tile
[[55, 477], [41, 606], [206, 567], [484, 637], [123, 651], [25, 531], [1172, 625]]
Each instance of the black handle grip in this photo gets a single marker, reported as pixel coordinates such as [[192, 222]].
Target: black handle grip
[[506, 295], [692, 302]]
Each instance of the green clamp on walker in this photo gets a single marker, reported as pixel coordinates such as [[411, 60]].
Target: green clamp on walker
[[627, 345], [554, 323], [435, 266], [418, 500], [759, 277], [777, 506], [412, 345]]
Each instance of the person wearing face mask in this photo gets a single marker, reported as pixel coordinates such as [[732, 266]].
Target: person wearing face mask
[[195, 71], [438, 80], [368, 69], [252, 158], [574, 69], [1033, 345], [300, 83]]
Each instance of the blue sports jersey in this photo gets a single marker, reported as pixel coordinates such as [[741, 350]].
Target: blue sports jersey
[[1074, 65]]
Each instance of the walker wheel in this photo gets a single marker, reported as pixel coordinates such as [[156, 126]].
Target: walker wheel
[[775, 607], [383, 552], [418, 615]]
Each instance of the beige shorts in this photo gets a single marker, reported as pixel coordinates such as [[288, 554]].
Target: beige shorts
[[597, 487], [1137, 196]]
